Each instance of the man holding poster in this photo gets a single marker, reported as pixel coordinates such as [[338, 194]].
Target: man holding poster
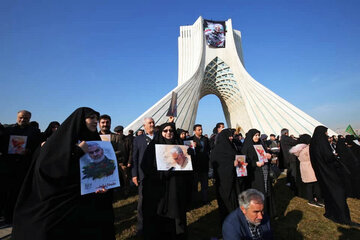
[[21, 141]]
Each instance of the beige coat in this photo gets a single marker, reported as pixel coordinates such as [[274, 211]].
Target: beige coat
[[302, 152]]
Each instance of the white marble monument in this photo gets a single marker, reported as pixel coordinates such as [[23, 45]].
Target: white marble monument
[[207, 70]]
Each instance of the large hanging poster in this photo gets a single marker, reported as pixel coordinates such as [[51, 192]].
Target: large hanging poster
[[215, 33], [98, 167]]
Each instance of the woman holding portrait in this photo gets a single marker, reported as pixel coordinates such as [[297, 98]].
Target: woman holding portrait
[[166, 194], [50, 205], [258, 171]]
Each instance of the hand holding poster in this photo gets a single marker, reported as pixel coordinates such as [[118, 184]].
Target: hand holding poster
[[189, 143], [261, 153], [241, 164], [172, 156], [17, 144], [98, 167], [173, 106]]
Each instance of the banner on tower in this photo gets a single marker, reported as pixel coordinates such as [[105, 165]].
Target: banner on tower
[[215, 33]]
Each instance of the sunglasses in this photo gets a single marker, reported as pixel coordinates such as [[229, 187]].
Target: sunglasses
[[166, 130]]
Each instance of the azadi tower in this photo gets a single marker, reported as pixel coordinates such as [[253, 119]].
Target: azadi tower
[[205, 69]]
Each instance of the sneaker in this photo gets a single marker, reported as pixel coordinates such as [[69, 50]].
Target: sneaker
[[288, 184], [314, 204], [320, 204]]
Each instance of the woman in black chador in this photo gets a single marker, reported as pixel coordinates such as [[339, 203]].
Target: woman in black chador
[[52, 127], [166, 194], [222, 158], [50, 205], [324, 163], [258, 172], [349, 170]]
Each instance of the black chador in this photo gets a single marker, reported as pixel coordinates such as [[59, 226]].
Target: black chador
[[50, 205], [258, 177], [166, 194], [222, 159], [324, 163]]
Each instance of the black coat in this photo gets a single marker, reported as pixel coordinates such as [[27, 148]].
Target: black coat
[[222, 159], [349, 169], [325, 167], [140, 144], [202, 150], [286, 143]]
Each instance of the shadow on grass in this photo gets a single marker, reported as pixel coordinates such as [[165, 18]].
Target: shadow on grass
[[349, 233], [206, 227], [286, 227], [125, 217], [196, 197], [282, 196]]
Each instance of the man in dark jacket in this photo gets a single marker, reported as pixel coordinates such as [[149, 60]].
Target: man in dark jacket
[[289, 159], [248, 222], [20, 142], [122, 148], [139, 146], [201, 162]]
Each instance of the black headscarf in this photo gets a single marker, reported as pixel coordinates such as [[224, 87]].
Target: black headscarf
[[350, 139], [51, 190], [48, 132], [319, 143], [224, 147], [159, 139], [248, 142], [305, 138]]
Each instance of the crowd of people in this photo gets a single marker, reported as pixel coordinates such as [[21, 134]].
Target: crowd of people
[[40, 177]]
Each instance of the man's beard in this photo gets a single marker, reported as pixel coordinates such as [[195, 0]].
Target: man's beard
[[105, 129]]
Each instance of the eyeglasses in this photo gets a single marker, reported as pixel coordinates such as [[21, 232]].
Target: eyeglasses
[[168, 130]]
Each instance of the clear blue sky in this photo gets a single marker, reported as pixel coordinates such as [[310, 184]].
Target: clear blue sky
[[121, 57]]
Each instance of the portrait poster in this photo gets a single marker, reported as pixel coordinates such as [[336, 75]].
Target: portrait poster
[[241, 170], [105, 137], [261, 153], [215, 33], [172, 156], [17, 144], [98, 167], [189, 143], [173, 105]]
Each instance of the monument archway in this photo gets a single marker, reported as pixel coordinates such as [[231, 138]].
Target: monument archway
[[207, 70]]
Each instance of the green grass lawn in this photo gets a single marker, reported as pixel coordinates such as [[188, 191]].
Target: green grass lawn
[[297, 220]]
